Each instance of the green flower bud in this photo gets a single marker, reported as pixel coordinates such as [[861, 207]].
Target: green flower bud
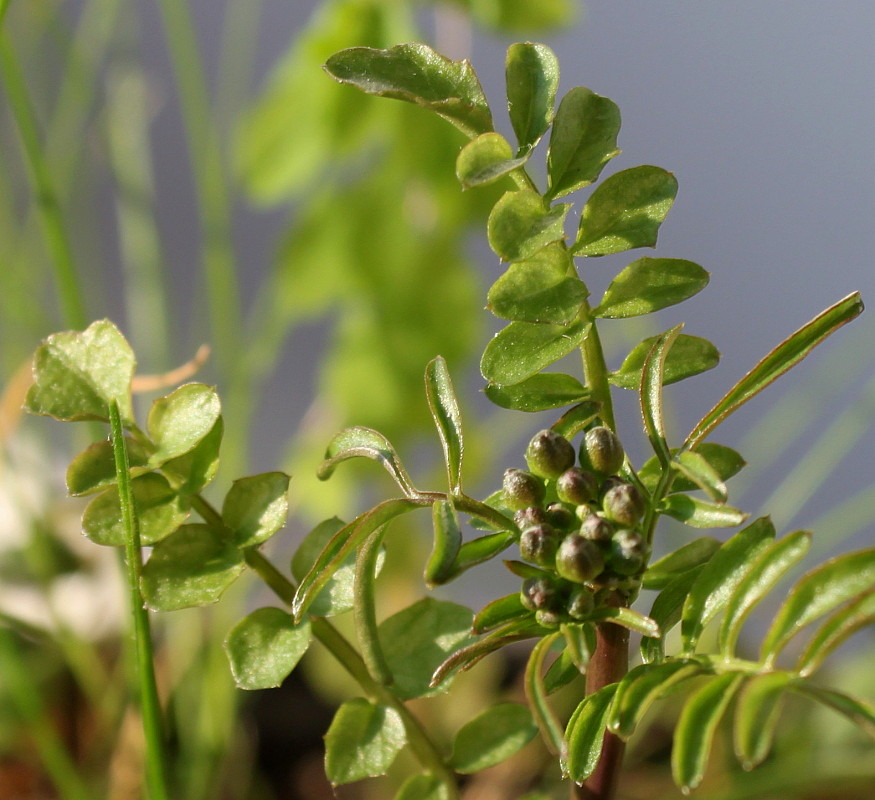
[[560, 516], [584, 511], [548, 619], [581, 603], [577, 486], [579, 559], [624, 504], [538, 544], [628, 552], [522, 489], [596, 528], [549, 454], [601, 451], [526, 517], [539, 594]]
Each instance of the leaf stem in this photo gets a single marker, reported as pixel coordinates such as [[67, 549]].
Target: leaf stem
[[425, 750], [145, 664]]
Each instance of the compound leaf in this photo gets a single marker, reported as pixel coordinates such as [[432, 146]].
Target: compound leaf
[[540, 392], [532, 78], [486, 159], [492, 737], [256, 507], [180, 420], [521, 223], [688, 356]]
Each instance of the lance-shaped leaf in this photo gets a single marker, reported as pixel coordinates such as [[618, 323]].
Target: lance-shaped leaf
[[580, 643], [652, 379], [720, 576], [336, 597], [666, 612], [688, 556], [544, 288], [192, 567], [699, 514], [694, 732], [447, 417], [359, 442], [447, 542], [492, 737], [858, 711], [160, 511], [649, 284], [362, 741], [466, 657], [583, 139], [626, 618], [365, 609], [418, 639], [699, 472], [417, 74], [845, 622], [585, 733], [688, 356], [536, 694], [576, 419], [725, 461], [538, 393], [625, 212], [786, 355], [756, 716], [764, 574], [179, 421], [523, 349], [486, 159], [498, 612], [256, 507], [521, 223], [481, 549], [264, 647], [561, 672], [817, 593], [532, 78], [339, 547], [94, 468], [643, 686], [76, 375]]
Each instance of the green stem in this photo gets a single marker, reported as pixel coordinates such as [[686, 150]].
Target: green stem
[[364, 608], [148, 690], [424, 749], [67, 285], [595, 370]]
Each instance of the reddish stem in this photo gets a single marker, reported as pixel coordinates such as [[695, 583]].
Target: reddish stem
[[609, 664]]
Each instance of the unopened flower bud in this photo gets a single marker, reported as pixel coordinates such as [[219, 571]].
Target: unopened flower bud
[[581, 602], [596, 528], [522, 489], [532, 515], [539, 594], [628, 552], [548, 618], [624, 504], [538, 544], [549, 454], [577, 486], [560, 516], [601, 450], [579, 559]]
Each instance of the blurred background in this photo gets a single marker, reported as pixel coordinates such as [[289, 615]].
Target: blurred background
[[186, 169]]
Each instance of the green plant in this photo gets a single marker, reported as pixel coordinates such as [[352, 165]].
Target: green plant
[[585, 523]]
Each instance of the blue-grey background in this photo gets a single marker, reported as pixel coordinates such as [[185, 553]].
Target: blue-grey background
[[765, 113]]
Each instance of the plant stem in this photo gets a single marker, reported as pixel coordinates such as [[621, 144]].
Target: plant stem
[[609, 663], [425, 750], [149, 704], [72, 303]]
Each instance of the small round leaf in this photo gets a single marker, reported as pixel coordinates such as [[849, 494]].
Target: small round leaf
[[265, 646]]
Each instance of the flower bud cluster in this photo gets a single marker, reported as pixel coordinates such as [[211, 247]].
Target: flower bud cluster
[[579, 522]]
